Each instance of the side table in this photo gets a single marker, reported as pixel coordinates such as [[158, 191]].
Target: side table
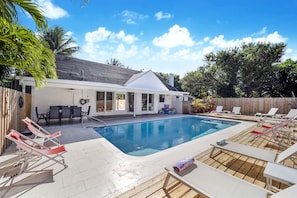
[[280, 173]]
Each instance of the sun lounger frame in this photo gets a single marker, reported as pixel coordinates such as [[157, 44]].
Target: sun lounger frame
[[212, 182], [254, 152]]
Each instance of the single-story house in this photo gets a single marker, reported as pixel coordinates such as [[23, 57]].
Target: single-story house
[[107, 89]]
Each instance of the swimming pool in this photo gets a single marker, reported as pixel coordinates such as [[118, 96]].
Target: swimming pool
[[145, 138]]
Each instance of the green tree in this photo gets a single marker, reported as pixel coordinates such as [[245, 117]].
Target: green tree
[[248, 70], [116, 62], [224, 68], [22, 50], [59, 42], [165, 77], [258, 65], [285, 76], [193, 82], [9, 11]]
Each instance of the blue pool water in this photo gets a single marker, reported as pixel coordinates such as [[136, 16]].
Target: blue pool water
[[145, 138]]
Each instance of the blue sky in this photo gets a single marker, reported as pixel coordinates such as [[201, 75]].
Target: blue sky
[[170, 36]]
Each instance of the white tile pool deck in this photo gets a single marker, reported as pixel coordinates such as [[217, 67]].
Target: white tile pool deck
[[97, 169]]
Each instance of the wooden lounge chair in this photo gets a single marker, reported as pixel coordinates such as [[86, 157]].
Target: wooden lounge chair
[[40, 132], [271, 113], [212, 182], [31, 148], [254, 152]]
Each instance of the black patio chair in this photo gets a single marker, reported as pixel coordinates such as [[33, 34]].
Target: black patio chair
[[76, 112], [40, 116], [66, 112], [54, 113]]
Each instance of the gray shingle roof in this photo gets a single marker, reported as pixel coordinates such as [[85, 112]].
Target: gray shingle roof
[[71, 68]]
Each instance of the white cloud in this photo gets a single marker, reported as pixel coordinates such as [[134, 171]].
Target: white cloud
[[98, 35], [208, 49], [160, 15], [122, 52], [205, 39], [50, 10], [176, 37], [174, 51], [290, 53], [131, 17], [129, 39], [275, 37], [219, 41], [103, 43], [261, 32], [69, 33], [101, 34]]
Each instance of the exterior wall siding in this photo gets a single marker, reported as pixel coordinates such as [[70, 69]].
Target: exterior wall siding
[[46, 97]]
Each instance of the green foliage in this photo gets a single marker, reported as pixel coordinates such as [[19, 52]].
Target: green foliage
[[115, 62], [202, 105], [59, 42], [9, 11], [22, 50], [250, 70], [284, 79], [258, 63]]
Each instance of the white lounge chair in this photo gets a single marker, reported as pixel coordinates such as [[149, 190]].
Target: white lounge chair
[[292, 115], [288, 192], [212, 182], [236, 111], [254, 152], [219, 109], [271, 113]]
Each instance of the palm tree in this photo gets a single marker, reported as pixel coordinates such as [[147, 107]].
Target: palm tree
[[8, 11], [115, 62], [22, 50], [59, 42], [19, 47]]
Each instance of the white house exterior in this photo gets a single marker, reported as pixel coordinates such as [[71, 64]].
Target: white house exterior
[[109, 90]]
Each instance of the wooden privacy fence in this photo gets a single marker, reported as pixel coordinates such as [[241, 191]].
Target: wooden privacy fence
[[15, 106], [250, 106]]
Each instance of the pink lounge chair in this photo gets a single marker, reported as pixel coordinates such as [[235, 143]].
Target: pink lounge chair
[[40, 132], [33, 148], [278, 130]]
